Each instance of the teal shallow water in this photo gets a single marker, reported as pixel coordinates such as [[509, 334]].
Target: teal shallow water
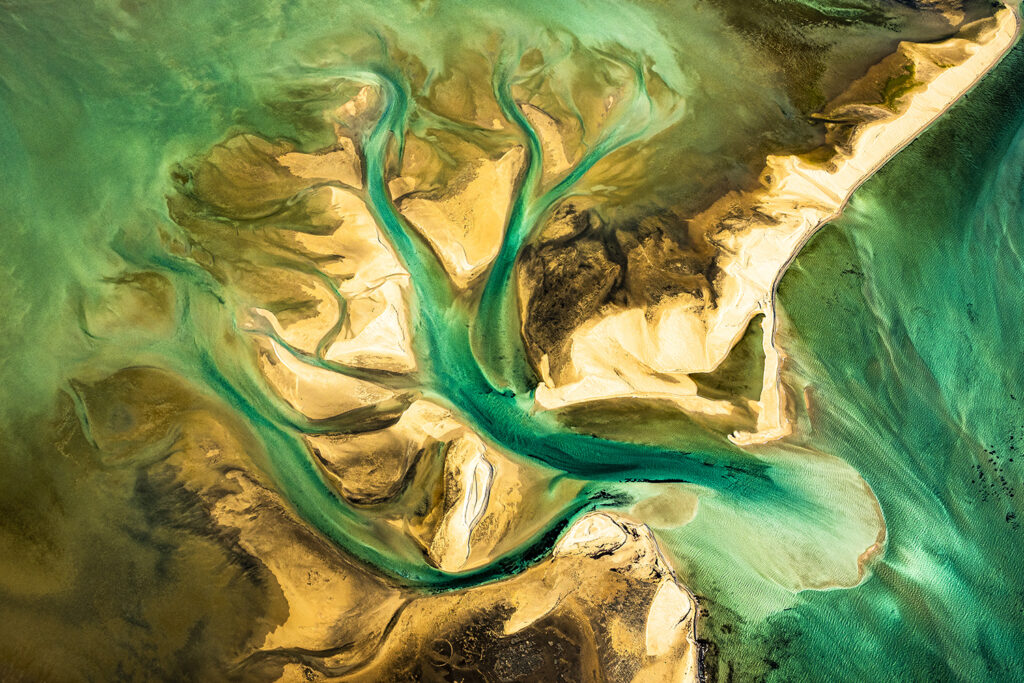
[[914, 362], [906, 316], [907, 311]]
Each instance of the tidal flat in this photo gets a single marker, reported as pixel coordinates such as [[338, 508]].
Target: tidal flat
[[579, 341]]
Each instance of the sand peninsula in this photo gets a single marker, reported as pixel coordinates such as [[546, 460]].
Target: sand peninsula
[[649, 352]]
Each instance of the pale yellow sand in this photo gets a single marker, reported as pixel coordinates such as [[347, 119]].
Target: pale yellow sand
[[465, 227], [363, 266]]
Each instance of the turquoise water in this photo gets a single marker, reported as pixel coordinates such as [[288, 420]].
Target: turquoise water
[[907, 315], [901, 315]]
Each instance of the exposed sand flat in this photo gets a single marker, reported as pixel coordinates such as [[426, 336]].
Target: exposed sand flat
[[374, 332], [759, 233], [321, 275], [314, 392], [371, 467], [670, 630], [606, 592], [306, 573], [556, 160], [461, 500], [465, 226], [299, 332], [365, 320], [468, 475], [623, 355], [341, 166], [486, 501]]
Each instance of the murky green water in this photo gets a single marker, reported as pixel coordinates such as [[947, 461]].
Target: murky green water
[[902, 313]]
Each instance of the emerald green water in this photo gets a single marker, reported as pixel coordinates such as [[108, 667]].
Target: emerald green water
[[901, 315]]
